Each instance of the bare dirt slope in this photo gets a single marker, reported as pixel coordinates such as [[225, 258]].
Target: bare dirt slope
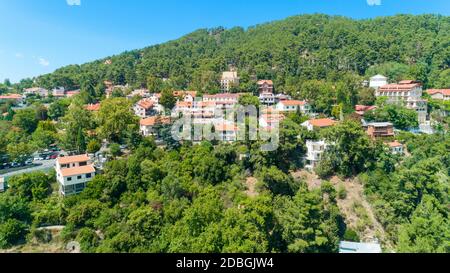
[[357, 211]]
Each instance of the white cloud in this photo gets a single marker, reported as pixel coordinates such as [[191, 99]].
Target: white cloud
[[73, 2], [19, 55], [43, 62], [374, 2]]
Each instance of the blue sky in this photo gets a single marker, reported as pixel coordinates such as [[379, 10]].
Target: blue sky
[[38, 36]]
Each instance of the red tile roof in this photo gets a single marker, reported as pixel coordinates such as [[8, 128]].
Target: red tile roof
[[146, 104], [152, 121], [400, 87], [261, 82], [293, 102], [445, 92], [77, 171], [93, 107], [11, 97], [325, 122], [73, 159], [185, 93], [394, 144]]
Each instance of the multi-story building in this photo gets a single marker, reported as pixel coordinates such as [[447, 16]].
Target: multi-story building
[[144, 108], [59, 92], [186, 96], [439, 94], [223, 101], [315, 150], [407, 93], [228, 80], [73, 173], [265, 86], [379, 129], [293, 106], [147, 125], [267, 98], [38, 91]]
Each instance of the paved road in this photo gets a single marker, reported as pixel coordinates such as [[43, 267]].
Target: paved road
[[44, 165]]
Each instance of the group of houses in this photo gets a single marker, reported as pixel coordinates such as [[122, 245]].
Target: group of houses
[[74, 172], [58, 92]]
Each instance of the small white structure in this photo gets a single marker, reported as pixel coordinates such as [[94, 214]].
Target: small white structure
[[73, 173], [59, 92], [293, 106], [315, 150], [229, 79], [365, 248], [378, 81], [2, 184], [396, 148]]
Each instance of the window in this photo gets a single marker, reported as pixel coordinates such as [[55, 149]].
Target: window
[[69, 178], [79, 177], [88, 175]]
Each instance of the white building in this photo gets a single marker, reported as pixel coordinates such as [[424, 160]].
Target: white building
[[267, 98], [318, 123], [439, 94], [144, 108], [378, 81], [36, 91], [315, 150], [2, 184], [59, 92], [73, 173], [407, 93], [228, 80], [293, 106], [396, 148]]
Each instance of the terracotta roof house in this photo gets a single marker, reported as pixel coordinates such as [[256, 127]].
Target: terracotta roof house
[[439, 94], [293, 106], [93, 107], [73, 173], [319, 123]]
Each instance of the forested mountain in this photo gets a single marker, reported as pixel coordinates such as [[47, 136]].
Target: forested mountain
[[291, 52]]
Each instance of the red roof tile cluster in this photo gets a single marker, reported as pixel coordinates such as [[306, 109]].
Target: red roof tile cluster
[[293, 102], [146, 104], [73, 159], [152, 121], [261, 82], [320, 123], [93, 107], [11, 97], [445, 92]]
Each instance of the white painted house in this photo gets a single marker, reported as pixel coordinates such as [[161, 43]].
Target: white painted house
[[73, 173], [293, 106], [315, 150], [228, 80], [378, 81]]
